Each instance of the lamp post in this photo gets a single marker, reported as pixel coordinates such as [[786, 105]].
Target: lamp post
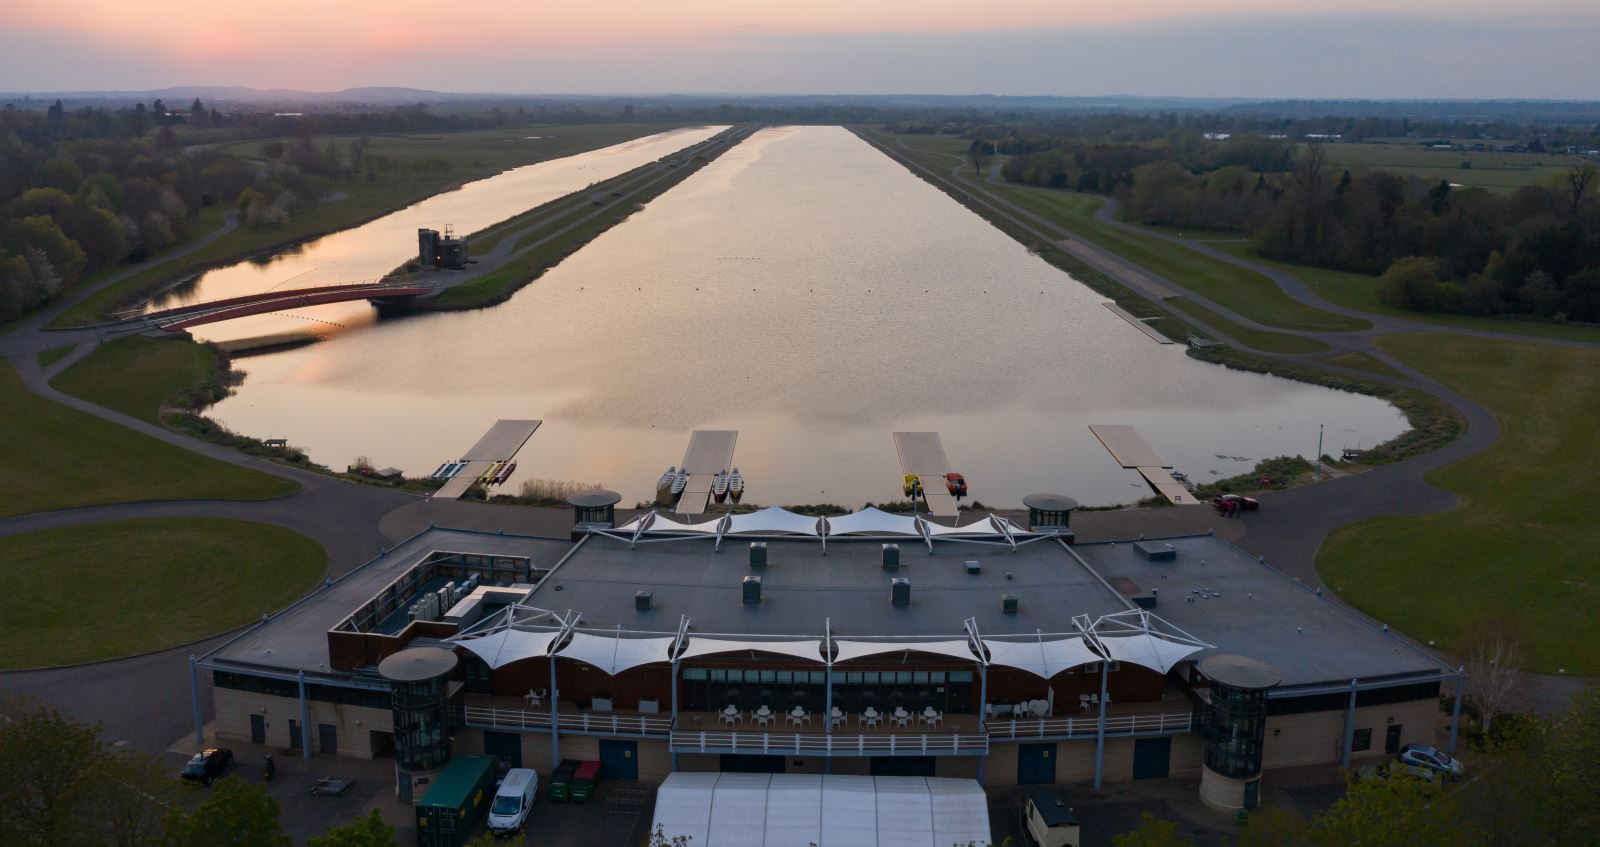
[[1319, 452]]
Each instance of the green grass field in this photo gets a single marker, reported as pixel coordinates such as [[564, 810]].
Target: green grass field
[[135, 375], [116, 589], [53, 457], [1522, 541], [1268, 342], [472, 155], [1363, 362], [1498, 172], [1360, 291]]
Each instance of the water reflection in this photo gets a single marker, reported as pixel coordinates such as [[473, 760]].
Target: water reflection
[[373, 249], [811, 293]]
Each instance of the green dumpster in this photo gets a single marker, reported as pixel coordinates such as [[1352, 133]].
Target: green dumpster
[[561, 781]]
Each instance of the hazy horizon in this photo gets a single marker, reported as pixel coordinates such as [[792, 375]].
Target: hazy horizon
[[1345, 49]]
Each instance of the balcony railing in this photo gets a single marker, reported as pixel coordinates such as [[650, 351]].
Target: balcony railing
[[1086, 726], [784, 743], [588, 723]]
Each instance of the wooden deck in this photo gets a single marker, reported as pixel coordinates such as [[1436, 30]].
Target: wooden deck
[[922, 455], [1130, 450], [1139, 324], [710, 452], [502, 441], [462, 481]]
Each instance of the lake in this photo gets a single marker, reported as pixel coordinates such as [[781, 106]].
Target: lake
[[811, 293]]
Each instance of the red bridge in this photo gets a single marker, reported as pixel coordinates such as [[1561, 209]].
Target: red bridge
[[212, 311]]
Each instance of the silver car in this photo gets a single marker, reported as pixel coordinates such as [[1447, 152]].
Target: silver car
[[1430, 759]]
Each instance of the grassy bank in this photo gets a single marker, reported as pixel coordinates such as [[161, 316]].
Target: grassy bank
[[472, 155], [54, 457], [1522, 541], [51, 356], [115, 589], [1256, 339], [138, 376]]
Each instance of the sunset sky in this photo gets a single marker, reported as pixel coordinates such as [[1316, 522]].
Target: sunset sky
[[1330, 48]]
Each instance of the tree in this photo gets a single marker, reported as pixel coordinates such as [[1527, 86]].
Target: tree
[[1496, 650], [1401, 811], [1410, 283], [1152, 832], [236, 814], [369, 831], [1580, 178], [1276, 828], [42, 781], [273, 149]]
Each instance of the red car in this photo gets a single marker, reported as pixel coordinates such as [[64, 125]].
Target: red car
[[1236, 502]]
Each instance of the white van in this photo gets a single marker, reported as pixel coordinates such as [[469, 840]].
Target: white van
[[509, 811]]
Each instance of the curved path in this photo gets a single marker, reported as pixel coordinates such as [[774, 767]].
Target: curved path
[[1301, 517]]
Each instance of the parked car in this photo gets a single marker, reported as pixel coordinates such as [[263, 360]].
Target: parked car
[[1430, 759], [208, 764], [1243, 503]]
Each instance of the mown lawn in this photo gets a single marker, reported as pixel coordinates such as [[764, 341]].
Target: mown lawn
[[1360, 291], [53, 457], [1256, 339], [135, 375], [1246, 292], [95, 592], [1523, 540], [52, 355]]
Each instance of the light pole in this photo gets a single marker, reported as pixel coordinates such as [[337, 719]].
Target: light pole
[[1319, 452]]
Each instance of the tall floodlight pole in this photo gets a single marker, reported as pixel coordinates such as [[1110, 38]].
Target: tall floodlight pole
[[1319, 452]]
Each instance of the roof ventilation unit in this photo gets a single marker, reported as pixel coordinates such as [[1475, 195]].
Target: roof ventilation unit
[[758, 555], [900, 591], [891, 557], [752, 591], [641, 601], [1008, 603], [974, 566]]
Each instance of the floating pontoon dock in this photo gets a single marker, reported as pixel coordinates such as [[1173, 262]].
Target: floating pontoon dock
[[710, 453], [922, 456], [499, 444], [1130, 450], [1139, 323]]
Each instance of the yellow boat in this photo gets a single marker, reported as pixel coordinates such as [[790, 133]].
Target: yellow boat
[[912, 485]]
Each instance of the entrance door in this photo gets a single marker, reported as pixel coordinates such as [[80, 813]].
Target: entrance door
[[619, 759], [902, 766], [735, 763], [1391, 740], [1151, 757], [327, 738], [295, 738], [258, 729], [1036, 764], [506, 746]]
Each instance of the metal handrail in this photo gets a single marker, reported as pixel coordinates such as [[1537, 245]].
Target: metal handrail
[[1087, 726], [907, 744], [591, 723]]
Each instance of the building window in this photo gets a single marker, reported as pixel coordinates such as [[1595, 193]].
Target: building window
[[1361, 740]]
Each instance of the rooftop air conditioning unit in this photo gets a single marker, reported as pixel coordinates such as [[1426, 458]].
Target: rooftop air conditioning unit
[[1008, 603], [641, 601], [891, 557], [974, 566], [758, 555], [752, 591], [900, 591]]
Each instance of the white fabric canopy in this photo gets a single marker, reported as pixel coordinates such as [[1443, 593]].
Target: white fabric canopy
[[810, 649], [773, 519], [960, 812], [874, 521], [683, 805], [905, 812], [1150, 651], [613, 654], [848, 650], [660, 523], [794, 810], [851, 806], [982, 526], [502, 648], [739, 812], [1044, 659], [633, 525]]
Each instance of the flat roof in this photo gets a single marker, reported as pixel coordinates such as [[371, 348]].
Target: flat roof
[[1246, 607], [297, 638], [802, 588]]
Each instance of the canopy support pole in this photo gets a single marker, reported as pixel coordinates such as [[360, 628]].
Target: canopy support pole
[[976, 645], [673, 651], [1349, 728], [1455, 708], [1100, 729], [827, 677], [199, 730], [305, 720]]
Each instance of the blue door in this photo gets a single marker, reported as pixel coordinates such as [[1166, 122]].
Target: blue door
[[1036, 764], [619, 759], [506, 746], [258, 729], [1151, 756]]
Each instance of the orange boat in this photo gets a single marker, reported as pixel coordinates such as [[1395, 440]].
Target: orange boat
[[956, 484]]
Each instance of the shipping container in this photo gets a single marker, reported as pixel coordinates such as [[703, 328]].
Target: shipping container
[[452, 807]]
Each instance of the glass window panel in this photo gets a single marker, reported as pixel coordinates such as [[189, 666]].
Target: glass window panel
[[869, 677], [852, 677], [919, 677], [766, 676], [936, 676], [818, 677], [961, 676], [719, 675], [903, 677], [694, 673], [785, 676]]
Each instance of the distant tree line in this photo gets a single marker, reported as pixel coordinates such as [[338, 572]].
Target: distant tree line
[[1534, 252]]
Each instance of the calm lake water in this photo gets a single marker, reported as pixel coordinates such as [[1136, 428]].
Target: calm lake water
[[369, 251], [811, 293]]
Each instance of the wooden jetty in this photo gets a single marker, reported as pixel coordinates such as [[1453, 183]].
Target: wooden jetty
[[922, 455], [499, 444], [710, 452], [1130, 450]]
